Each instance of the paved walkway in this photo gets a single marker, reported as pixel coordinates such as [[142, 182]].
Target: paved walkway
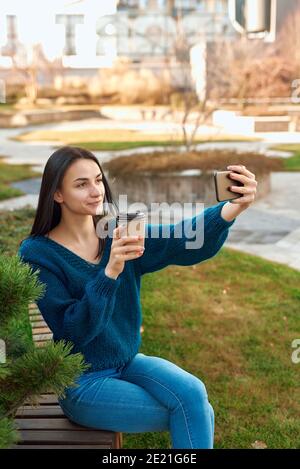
[[270, 228], [37, 153]]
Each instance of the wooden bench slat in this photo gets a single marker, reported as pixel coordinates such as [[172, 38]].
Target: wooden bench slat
[[39, 323], [48, 399], [62, 424], [42, 411], [41, 343], [35, 320], [33, 314], [41, 330], [74, 446], [36, 317], [48, 424], [44, 399], [42, 337], [65, 436]]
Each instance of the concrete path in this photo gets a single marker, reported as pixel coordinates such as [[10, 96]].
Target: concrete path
[[37, 153], [270, 228]]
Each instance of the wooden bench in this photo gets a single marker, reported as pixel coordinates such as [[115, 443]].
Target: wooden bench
[[46, 426]]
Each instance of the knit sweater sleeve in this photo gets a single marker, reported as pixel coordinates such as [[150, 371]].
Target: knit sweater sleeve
[[77, 320], [188, 242]]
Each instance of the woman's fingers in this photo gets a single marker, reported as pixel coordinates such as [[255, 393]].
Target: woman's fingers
[[242, 190], [244, 179], [248, 189], [123, 248], [242, 200], [117, 232], [128, 257], [128, 249], [241, 169], [247, 198], [120, 239]]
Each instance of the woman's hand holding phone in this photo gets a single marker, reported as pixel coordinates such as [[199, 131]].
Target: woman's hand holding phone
[[123, 248], [247, 191], [243, 190]]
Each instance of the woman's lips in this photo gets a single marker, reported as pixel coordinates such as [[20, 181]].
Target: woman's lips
[[95, 203]]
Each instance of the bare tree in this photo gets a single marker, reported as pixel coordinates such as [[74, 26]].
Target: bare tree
[[289, 42], [28, 64], [195, 111], [246, 68]]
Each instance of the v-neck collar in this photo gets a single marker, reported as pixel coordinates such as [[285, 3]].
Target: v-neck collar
[[76, 256]]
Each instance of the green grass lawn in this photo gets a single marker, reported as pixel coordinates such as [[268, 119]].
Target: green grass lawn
[[230, 321], [4, 107], [10, 173], [292, 163], [116, 146], [116, 139]]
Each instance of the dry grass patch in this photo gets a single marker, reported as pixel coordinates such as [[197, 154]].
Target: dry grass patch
[[205, 160]]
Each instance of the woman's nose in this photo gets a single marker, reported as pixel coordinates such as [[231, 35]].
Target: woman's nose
[[95, 191]]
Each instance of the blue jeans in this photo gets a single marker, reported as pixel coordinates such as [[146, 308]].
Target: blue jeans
[[147, 394]]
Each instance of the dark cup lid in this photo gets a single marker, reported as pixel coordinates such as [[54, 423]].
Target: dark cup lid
[[128, 216]]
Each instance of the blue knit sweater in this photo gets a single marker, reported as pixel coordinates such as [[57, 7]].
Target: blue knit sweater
[[100, 315]]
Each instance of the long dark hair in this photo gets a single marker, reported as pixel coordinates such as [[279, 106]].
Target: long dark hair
[[48, 213]]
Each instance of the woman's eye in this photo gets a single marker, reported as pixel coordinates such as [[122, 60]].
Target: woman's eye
[[84, 183]]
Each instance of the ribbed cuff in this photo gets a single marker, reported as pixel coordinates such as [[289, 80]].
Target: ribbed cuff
[[105, 285], [220, 222]]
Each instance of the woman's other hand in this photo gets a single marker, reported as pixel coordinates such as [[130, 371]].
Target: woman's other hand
[[123, 248]]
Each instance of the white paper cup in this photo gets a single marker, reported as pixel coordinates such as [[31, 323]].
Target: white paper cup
[[134, 225]]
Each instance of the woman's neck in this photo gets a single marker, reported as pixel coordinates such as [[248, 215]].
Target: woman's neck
[[78, 229]]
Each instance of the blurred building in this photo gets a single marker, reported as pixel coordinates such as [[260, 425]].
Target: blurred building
[[86, 37], [148, 29]]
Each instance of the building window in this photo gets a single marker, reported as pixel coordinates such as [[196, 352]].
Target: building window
[[127, 4], [186, 4], [220, 6], [202, 5]]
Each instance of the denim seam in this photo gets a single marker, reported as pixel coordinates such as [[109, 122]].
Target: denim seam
[[105, 379], [88, 406], [185, 417]]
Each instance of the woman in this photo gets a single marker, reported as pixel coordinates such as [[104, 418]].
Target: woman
[[92, 299]]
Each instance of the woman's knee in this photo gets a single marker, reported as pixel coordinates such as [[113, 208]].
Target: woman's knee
[[193, 390]]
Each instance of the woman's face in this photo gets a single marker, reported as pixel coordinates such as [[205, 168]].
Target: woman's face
[[82, 190]]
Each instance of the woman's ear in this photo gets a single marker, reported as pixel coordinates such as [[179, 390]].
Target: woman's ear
[[58, 197]]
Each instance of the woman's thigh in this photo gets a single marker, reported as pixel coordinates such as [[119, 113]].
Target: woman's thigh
[[168, 383], [182, 393], [114, 404]]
